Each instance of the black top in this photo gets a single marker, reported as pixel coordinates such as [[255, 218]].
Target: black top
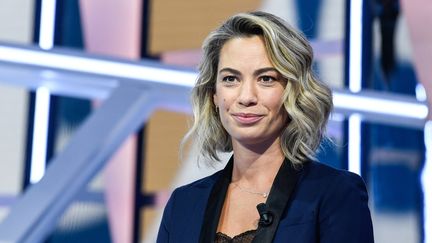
[[245, 237]]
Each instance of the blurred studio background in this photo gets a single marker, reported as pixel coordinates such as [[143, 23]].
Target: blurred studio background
[[94, 101]]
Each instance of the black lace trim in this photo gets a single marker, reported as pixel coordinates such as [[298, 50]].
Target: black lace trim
[[244, 237]]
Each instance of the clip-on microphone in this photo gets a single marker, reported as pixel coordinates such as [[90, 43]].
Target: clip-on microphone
[[266, 216]]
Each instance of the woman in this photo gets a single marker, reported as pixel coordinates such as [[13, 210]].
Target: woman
[[256, 95]]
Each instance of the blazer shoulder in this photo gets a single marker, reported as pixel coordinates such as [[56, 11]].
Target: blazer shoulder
[[185, 208], [203, 183], [344, 214], [328, 174], [327, 181]]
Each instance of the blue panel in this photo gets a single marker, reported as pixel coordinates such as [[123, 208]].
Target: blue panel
[[395, 188]]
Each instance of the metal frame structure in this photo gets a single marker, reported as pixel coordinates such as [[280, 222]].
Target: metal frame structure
[[131, 91]]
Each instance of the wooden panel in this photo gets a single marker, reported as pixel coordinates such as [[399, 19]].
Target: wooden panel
[[163, 136], [150, 220], [178, 25]]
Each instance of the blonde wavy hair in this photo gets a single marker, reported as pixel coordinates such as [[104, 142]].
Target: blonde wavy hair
[[307, 101]]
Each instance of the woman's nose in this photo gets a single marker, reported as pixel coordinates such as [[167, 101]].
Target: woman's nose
[[247, 94]]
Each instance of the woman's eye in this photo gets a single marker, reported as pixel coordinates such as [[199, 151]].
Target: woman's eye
[[229, 79], [267, 79]]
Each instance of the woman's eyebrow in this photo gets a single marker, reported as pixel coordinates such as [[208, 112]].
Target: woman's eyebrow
[[256, 72], [230, 70], [263, 70]]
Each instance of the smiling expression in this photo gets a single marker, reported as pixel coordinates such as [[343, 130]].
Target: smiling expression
[[249, 92]]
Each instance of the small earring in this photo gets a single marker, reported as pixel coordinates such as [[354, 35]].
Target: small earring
[[217, 109]]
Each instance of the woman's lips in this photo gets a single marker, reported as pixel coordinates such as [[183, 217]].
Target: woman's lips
[[247, 118]]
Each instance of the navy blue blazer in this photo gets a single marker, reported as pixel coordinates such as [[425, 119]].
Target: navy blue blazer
[[314, 204]]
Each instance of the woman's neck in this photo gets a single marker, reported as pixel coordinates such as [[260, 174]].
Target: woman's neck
[[256, 167]]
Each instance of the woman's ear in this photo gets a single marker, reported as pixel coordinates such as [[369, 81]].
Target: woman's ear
[[215, 99]]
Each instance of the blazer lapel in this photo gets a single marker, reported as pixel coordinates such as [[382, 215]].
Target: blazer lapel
[[214, 204], [280, 193]]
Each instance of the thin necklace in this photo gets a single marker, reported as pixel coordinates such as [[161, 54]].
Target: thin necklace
[[263, 194]]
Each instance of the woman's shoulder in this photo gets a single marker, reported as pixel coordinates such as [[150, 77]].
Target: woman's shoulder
[[330, 177], [341, 199], [319, 168], [192, 196], [203, 183]]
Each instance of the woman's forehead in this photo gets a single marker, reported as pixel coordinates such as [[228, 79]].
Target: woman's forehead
[[244, 53]]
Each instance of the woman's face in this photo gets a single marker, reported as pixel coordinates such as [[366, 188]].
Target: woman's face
[[249, 92]]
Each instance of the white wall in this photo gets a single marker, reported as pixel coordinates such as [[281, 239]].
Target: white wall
[[13, 109], [16, 20], [16, 25]]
